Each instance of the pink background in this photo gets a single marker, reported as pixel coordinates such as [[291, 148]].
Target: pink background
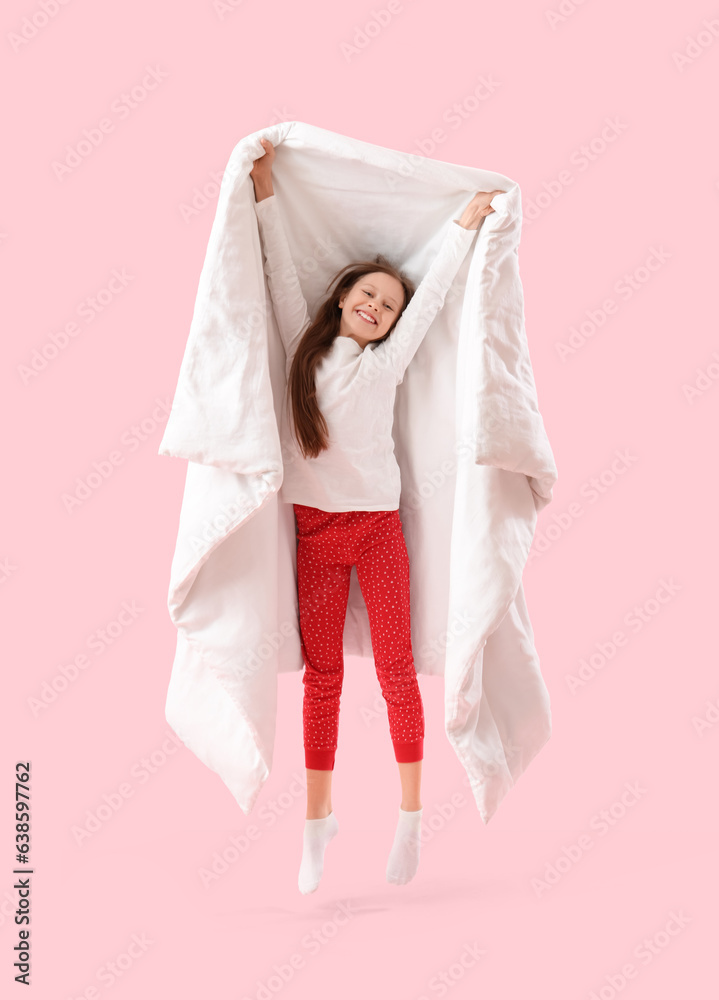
[[649, 192]]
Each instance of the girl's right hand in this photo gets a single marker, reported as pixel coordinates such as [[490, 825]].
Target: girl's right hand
[[476, 210], [261, 172]]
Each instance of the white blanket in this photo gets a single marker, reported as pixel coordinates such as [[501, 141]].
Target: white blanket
[[475, 461]]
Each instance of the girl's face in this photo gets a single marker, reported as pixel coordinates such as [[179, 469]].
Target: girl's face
[[370, 307]]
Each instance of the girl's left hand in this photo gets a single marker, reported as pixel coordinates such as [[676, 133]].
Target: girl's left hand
[[261, 172], [476, 210]]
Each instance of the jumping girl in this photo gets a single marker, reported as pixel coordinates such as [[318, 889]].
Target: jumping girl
[[343, 480]]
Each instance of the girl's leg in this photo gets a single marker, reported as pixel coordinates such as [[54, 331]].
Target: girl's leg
[[319, 794], [410, 776], [323, 589], [383, 574], [320, 827], [323, 582]]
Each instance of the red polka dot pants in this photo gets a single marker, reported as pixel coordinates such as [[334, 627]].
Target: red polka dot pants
[[328, 546]]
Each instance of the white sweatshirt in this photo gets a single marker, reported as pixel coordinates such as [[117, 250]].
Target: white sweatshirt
[[355, 386]]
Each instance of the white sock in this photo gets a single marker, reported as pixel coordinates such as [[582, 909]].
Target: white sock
[[317, 835], [404, 856]]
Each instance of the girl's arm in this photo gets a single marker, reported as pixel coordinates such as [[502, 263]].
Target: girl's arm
[[397, 351], [287, 298], [290, 305]]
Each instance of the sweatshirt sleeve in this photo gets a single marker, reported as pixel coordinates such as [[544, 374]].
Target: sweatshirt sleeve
[[398, 350], [289, 303]]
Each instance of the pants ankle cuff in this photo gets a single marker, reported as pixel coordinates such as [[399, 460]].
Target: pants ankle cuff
[[320, 760], [409, 753]]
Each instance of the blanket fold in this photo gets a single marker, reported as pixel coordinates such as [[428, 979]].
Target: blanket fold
[[475, 461]]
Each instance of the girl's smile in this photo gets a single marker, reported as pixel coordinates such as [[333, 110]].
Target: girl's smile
[[373, 303], [366, 317]]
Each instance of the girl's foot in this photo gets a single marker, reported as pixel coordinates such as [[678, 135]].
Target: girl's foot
[[404, 856], [317, 835]]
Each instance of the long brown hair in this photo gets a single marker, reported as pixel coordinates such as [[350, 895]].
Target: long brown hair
[[309, 423]]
